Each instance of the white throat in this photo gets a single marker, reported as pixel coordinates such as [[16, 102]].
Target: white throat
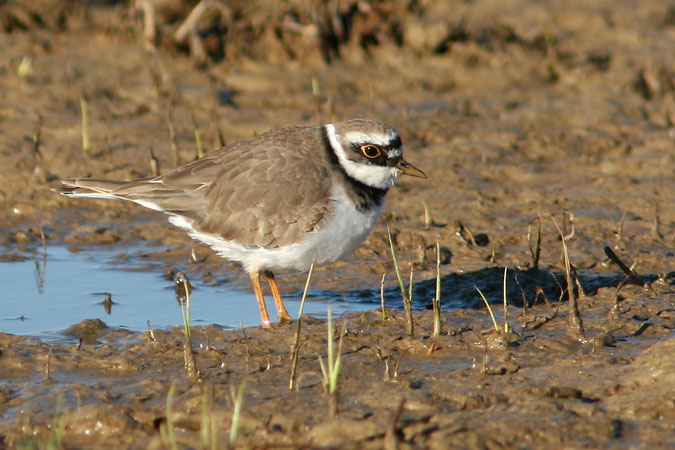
[[375, 176]]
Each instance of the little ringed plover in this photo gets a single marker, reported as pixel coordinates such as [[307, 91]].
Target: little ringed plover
[[281, 200]]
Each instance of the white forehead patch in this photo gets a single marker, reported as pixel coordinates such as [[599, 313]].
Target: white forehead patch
[[372, 138], [394, 153]]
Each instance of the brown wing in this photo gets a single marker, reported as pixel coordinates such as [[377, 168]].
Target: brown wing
[[263, 192]]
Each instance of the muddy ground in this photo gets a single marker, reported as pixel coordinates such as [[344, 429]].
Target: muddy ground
[[519, 112]]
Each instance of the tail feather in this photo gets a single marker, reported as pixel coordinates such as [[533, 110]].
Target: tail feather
[[146, 192], [89, 187]]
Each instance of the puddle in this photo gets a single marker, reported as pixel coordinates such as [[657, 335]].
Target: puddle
[[44, 297]]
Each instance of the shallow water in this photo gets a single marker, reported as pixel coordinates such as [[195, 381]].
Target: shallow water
[[44, 297]]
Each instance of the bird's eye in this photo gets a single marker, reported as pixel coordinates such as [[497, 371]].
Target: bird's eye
[[370, 151]]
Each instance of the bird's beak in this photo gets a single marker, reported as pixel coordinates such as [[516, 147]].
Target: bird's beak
[[408, 169]]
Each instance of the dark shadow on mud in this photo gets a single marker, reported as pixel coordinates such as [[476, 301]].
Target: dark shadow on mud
[[530, 287]]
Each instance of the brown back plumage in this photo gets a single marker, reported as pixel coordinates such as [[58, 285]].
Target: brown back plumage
[[270, 190]]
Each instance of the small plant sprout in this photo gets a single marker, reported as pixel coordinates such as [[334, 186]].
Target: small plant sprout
[[238, 400], [219, 134], [428, 220], [619, 230], [437, 300], [331, 370], [318, 98], [84, 108], [410, 288], [41, 269], [25, 69], [384, 311], [535, 251], [407, 300], [656, 231], [48, 366], [199, 138], [183, 290], [154, 163], [37, 155], [53, 440], [58, 427], [494, 321], [296, 342], [172, 136], [151, 332], [167, 429], [391, 439], [208, 430], [575, 321], [506, 311]]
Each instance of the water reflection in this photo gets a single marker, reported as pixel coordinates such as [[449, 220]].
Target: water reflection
[[70, 287]]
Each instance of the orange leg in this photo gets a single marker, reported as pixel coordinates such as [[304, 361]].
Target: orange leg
[[264, 316], [282, 313]]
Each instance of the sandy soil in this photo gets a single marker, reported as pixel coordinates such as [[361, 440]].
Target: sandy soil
[[516, 110]]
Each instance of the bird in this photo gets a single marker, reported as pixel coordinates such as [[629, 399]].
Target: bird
[[285, 199]]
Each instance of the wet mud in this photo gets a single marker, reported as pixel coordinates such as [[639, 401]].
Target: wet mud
[[533, 121]]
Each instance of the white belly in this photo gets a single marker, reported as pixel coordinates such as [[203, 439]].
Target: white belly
[[341, 234]]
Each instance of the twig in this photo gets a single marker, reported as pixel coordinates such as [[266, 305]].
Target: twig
[[390, 438], [41, 269], [634, 277], [460, 233], [384, 311], [569, 236], [657, 221], [437, 301], [190, 22], [506, 310], [197, 50], [149, 22], [43, 240], [410, 287], [522, 293], [247, 353], [84, 108], [406, 299]]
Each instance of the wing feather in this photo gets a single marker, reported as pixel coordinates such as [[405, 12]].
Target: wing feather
[[264, 192]]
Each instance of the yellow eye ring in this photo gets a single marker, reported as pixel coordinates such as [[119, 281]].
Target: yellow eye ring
[[371, 151]]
